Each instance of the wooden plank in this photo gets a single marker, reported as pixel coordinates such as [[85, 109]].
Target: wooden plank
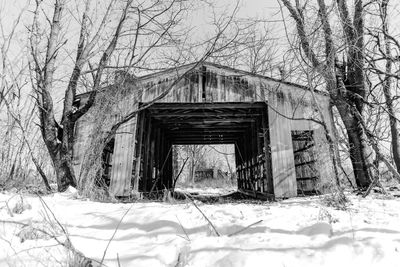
[[124, 150], [226, 105], [284, 178], [219, 88], [268, 156], [146, 149], [201, 86], [139, 152]]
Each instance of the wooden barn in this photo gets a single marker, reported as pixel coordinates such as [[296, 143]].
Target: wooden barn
[[279, 152]]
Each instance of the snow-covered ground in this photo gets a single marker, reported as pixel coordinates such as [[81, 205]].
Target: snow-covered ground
[[207, 191], [294, 232]]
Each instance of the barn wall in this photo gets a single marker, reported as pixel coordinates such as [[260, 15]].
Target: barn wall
[[287, 102], [283, 171], [122, 162], [108, 109]]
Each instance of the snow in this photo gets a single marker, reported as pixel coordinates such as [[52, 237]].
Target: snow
[[292, 232]]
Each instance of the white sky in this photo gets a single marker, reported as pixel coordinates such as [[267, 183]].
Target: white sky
[[267, 10]]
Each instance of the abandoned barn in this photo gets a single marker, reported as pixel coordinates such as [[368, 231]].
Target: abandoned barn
[[279, 151]]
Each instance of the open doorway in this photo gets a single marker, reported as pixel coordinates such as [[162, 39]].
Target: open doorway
[[307, 176], [205, 169]]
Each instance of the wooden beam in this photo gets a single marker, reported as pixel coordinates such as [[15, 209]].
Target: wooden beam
[[194, 106], [267, 151], [139, 145], [207, 115]]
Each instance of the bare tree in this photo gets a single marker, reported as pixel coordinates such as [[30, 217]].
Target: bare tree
[[254, 49], [382, 59], [19, 140], [345, 80], [141, 31], [59, 138]]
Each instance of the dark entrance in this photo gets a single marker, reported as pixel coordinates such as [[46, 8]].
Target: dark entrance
[[166, 124]]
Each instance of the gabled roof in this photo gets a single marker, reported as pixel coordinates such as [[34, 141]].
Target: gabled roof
[[219, 66], [198, 65]]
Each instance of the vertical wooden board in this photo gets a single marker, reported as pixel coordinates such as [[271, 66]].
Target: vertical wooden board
[[252, 91], [257, 92], [193, 89], [246, 93], [234, 90], [187, 89], [151, 172], [151, 92], [263, 91], [169, 97], [241, 89], [267, 154], [214, 86], [227, 86], [283, 170], [144, 92], [222, 88], [184, 92], [219, 88], [124, 151], [140, 131], [208, 88], [200, 89]]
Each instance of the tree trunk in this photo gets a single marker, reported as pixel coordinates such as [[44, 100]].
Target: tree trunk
[[393, 122], [347, 90], [64, 173], [61, 155], [387, 86], [361, 155]]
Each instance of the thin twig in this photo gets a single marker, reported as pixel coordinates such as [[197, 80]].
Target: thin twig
[[46, 207], [183, 229], [67, 243], [113, 235], [179, 173], [245, 228], [118, 261], [205, 217]]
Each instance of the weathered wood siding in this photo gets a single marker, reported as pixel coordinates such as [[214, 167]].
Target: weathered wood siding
[[286, 102], [122, 162], [97, 122], [211, 83]]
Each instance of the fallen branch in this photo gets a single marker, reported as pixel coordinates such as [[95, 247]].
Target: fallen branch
[[179, 173], [113, 235], [67, 244], [205, 217], [245, 228], [183, 229]]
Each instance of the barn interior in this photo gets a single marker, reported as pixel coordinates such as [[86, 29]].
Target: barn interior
[[166, 124], [205, 168]]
